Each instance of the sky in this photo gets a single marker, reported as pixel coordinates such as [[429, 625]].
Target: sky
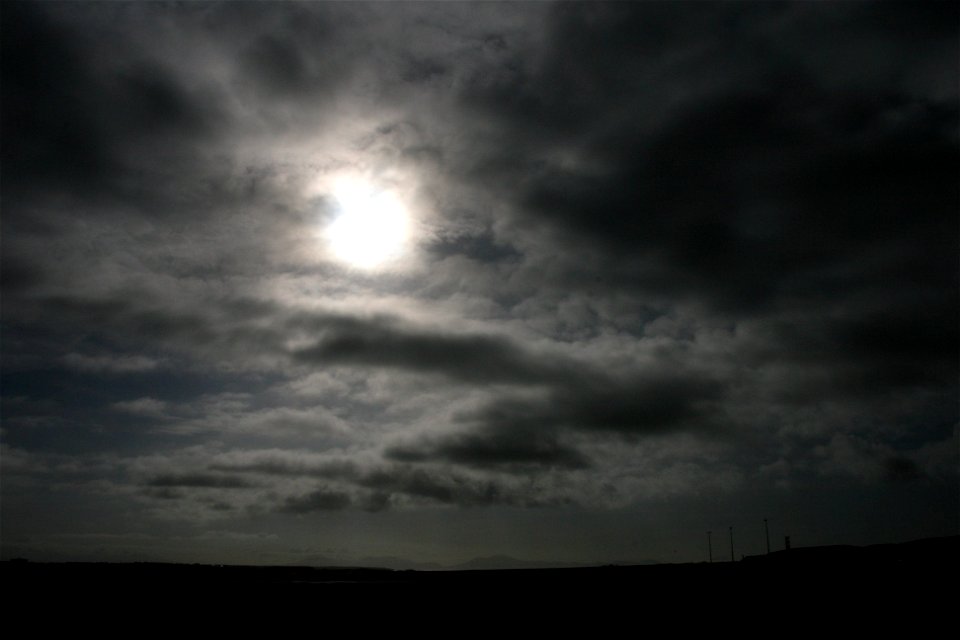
[[410, 284]]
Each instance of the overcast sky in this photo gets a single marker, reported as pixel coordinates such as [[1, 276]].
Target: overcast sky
[[668, 268]]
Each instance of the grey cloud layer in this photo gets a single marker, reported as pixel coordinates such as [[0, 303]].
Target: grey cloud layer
[[730, 226]]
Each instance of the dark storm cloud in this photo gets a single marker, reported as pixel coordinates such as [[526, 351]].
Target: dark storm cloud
[[199, 480], [499, 444], [900, 346], [282, 466], [523, 433], [743, 177], [760, 213], [79, 120], [447, 487], [522, 430], [165, 493], [18, 274], [319, 500], [44, 69], [231, 323], [422, 484], [380, 487], [470, 358], [483, 248], [276, 65], [627, 407], [707, 156], [901, 469], [413, 475]]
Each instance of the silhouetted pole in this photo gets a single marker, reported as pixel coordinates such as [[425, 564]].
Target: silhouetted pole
[[731, 545], [766, 528], [710, 545]]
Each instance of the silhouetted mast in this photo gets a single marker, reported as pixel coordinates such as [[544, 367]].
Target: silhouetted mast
[[731, 545], [766, 528], [710, 545]]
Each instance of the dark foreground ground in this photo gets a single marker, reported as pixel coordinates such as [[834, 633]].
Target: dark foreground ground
[[908, 586]]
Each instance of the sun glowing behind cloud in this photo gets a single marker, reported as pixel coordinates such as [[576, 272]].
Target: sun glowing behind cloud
[[372, 225]]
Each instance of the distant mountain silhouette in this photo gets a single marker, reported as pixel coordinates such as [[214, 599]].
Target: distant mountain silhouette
[[399, 564], [495, 563]]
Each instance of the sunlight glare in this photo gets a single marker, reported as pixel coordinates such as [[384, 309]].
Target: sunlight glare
[[371, 227]]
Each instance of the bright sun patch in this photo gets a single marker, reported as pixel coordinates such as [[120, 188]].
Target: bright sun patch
[[371, 228]]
